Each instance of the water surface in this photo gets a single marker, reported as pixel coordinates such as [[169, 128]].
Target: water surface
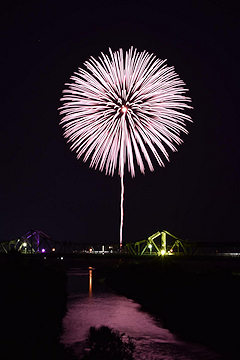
[[97, 305]]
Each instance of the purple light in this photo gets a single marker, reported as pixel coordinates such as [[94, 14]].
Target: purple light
[[43, 250]]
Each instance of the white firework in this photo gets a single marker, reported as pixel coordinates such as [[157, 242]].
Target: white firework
[[122, 108]]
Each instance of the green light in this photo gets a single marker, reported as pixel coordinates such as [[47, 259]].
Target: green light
[[163, 252]]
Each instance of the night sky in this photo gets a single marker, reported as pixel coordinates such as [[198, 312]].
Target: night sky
[[43, 185]]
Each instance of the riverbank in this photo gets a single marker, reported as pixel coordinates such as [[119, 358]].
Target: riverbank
[[197, 299], [33, 303]]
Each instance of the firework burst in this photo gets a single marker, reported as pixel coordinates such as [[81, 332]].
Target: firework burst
[[121, 108]]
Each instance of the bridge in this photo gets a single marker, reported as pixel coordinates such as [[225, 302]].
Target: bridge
[[152, 247], [165, 243], [36, 241], [161, 243]]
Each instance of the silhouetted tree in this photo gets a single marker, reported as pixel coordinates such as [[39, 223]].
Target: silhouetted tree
[[106, 344]]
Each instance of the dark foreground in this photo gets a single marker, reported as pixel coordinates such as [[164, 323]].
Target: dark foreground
[[197, 298], [33, 302]]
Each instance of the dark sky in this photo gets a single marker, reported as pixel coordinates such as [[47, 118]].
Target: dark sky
[[44, 187]]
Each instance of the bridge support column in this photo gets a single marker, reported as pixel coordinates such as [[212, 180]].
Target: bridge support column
[[163, 243]]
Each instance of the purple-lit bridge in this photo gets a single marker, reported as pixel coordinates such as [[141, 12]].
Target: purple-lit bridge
[[159, 244]]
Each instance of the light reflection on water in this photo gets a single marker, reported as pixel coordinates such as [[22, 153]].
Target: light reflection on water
[[95, 306]]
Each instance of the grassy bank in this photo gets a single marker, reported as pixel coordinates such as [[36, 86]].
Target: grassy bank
[[196, 298], [33, 302]]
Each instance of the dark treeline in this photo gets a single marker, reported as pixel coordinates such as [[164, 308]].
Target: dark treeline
[[197, 299]]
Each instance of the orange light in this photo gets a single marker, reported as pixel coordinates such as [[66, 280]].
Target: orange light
[[90, 283], [124, 109]]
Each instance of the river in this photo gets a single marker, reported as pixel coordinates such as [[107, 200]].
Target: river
[[98, 305]]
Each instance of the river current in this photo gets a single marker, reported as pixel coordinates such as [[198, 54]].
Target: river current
[[98, 305]]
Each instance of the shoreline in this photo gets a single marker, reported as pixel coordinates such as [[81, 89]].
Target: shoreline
[[196, 301]]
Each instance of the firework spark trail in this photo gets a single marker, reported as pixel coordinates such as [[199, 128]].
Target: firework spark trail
[[121, 210], [122, 108]]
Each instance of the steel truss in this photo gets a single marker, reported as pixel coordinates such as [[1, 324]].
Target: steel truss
[[150, 247], [36, 241], [31, 242]]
